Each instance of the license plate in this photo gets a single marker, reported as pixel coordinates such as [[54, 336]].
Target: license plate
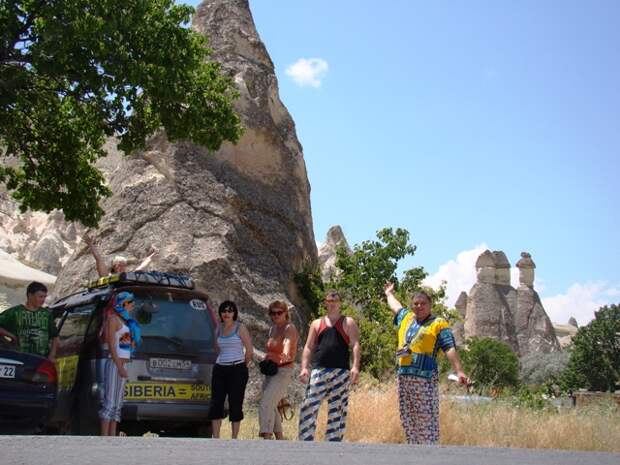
[[170, 363], [7, 371], [167, 391]]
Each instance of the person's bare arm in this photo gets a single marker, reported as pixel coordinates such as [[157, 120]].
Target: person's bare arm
[[304, 374], [354, 341], [290, 344], [147, 261], [113, 326], [53, 349], [455, 361], [102, 269], [244, 334], [392, 301]]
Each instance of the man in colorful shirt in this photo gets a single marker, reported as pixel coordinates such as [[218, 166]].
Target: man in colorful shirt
[[420, 336], [32, 324]]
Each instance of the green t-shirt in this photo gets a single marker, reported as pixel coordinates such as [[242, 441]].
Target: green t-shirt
[[34, 329]]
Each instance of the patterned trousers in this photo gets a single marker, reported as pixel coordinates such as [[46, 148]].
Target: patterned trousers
[[332, 383], [113, 392], [418, 400]]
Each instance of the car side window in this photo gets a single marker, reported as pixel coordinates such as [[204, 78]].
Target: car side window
[[76, 322]]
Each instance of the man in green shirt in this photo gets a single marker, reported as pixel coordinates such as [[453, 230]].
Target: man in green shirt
[[32, 324]]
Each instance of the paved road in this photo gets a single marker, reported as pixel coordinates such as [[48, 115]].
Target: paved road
[[72, 450]]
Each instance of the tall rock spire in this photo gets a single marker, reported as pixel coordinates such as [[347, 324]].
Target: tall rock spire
[[238, 220]]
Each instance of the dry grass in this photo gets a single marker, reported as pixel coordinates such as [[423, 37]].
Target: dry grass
[[373, 417]]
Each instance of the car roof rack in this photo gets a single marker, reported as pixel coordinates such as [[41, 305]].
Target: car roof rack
[[144, 277]]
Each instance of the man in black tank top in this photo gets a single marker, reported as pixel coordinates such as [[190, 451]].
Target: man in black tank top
[[328, 343]]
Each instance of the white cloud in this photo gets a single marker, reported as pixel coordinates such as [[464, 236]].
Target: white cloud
[[460, 274], [580, 301], [308, 71]]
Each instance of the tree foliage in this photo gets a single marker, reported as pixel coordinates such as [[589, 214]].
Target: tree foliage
[[490, 363], [595, 354], [362, 277], [74, 72]]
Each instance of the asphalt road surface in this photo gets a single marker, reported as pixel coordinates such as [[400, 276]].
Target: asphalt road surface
[[75, 450]]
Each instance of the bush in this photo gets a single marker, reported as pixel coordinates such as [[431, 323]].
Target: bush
[[538, 369], [490, 363]]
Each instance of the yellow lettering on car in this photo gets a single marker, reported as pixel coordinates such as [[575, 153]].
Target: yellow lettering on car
[[66, 368], [167, 391]]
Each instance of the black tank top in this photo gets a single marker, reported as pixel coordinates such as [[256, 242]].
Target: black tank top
[[332, 349]]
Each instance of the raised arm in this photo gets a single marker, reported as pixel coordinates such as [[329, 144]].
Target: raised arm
[[392, 301], [102, 269], [147, 261], [304, 374]]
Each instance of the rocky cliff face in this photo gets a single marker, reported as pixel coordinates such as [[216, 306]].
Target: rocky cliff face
[[515, 316], [238, 220], [40, 240]]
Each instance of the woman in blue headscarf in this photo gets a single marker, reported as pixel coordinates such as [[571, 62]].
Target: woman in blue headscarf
[[122, 336]]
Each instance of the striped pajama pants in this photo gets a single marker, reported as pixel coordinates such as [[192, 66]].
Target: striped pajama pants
[[113, 392], [332, 383]]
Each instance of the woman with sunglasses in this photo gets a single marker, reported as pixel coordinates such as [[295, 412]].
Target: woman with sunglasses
[[230, 373], [281, 349]]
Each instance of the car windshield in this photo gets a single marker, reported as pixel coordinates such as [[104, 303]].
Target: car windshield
[[174, 323]]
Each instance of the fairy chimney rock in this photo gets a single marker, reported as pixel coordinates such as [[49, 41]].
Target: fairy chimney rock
[[327, 252], [461, 304], [502, 268], [526, 270], [485, 267]]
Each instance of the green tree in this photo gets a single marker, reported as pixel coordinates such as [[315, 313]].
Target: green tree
[[595, 354], [490, 363], [74, 72], [363, 275]]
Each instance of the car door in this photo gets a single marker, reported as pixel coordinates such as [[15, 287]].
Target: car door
[[73, 327]]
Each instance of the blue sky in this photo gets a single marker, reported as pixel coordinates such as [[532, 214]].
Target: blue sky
[[472, 124]]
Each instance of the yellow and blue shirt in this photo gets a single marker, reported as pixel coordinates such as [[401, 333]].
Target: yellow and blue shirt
[[424, 340]]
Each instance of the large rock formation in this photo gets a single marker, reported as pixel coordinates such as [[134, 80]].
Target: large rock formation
[[490, 303], [327, 252], [495, 309], [535, 331], [238, 220]]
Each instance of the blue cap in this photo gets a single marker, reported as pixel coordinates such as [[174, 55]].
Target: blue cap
[[123, 297]]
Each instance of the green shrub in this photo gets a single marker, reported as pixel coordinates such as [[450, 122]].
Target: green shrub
[[490, 363], [538, 369], [595, 353]]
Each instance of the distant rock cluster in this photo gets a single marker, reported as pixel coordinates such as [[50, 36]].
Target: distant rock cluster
[[495, 309]]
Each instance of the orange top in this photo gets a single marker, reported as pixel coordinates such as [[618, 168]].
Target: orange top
[[275, 351]]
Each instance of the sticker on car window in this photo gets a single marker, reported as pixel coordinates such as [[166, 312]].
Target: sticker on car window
[[198, 304]]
